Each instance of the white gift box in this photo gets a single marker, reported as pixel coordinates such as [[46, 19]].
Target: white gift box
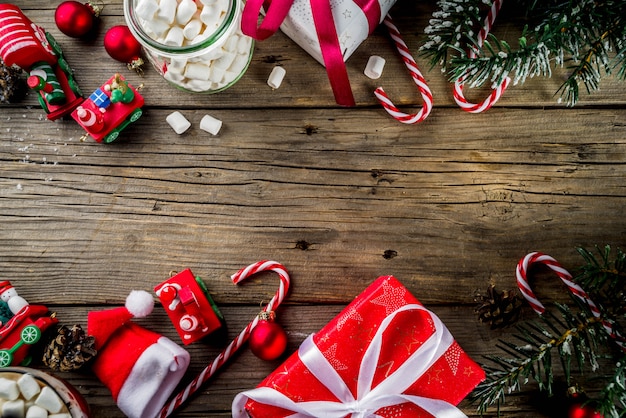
[[350, 21]]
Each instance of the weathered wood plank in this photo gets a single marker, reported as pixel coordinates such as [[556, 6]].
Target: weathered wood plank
[[426, 204]]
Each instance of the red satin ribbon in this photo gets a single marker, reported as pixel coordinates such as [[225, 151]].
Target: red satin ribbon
[[276, 12]]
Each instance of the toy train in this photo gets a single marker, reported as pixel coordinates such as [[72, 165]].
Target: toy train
[[103, 115], [22, 330]]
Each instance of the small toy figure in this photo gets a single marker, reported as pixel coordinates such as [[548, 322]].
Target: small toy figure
[[35, 51], [9, 295], [109, 109], [21, 331], [189, 306]]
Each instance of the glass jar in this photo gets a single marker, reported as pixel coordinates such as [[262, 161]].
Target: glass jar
[[197, 46]]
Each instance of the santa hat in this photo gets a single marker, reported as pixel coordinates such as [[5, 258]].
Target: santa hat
[[5, 285], [140, 367]]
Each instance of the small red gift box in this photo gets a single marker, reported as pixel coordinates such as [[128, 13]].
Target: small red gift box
[[383, 355]]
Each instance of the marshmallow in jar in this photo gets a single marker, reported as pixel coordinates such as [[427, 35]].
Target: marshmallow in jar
[[196, 45]]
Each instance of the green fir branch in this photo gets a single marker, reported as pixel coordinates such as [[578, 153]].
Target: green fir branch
[[575, 335], [586, 36]]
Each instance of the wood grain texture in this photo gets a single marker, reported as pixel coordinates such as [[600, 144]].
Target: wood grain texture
[[339, 196]]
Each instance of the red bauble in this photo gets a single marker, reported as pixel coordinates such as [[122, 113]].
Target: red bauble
[[268, 340], [75, 19], [578, 410], [121, 45]]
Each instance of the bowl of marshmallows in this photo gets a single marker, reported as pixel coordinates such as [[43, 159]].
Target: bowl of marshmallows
[[30, 393]]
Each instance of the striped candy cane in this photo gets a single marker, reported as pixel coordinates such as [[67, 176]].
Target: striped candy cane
[[458, 84], [227, 353], [521, 274], [417, 76]]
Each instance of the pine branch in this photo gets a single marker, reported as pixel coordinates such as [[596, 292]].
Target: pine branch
[[588, 36], [575, 335]]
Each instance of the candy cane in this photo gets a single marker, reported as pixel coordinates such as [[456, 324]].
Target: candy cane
[[417, 76], [458, 84], [227, 353], [521, 273]]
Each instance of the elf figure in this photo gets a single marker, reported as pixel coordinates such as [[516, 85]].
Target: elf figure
[[140, 367], [9, 295]]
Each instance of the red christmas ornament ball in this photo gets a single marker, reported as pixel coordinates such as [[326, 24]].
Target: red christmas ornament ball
[[121, 45], [578, 410], [75, 19], [268, 340]]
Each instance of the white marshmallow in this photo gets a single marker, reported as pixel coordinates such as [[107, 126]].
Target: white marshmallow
[[184, 11], [240, 63], [276, 77], [28, 386], [192, 29], [13, 409], [243, 44], [229, 77], [146, 9], [199, 85], [225, 60], [174, 37], [167, 10], [374, 67], [157, 27], [8, 389], [210, 16], [177, 65], [49, 400], [210, 124], [231, 43], [59, 416], [198, 71], [217, 74], [178, 122], [174, 77], [207, 2], [35, 411]]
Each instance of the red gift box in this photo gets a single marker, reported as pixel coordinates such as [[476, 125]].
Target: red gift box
[[383, 355]]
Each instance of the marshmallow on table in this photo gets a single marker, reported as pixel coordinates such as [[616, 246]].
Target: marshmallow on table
[[178, 122], [374, 67], [210, 124], [276, 77]]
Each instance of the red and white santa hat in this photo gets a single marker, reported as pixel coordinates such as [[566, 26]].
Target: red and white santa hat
[[140, 367]]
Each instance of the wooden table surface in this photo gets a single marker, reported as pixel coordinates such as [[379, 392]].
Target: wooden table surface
[[338, 195]]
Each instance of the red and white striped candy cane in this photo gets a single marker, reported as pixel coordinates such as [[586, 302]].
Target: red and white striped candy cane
[[227, 353], [459, 83], [417, 76], [521, 274]]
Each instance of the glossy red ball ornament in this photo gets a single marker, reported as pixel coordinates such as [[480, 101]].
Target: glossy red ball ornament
[[122, 46], [579, 410], [268, 340], [75, 19]]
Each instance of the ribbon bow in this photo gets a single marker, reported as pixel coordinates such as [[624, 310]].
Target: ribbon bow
[[277, 11], [368, 399]]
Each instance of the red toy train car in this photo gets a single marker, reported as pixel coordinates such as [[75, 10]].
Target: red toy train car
[[109, 109], [23, 329], [31, 48]]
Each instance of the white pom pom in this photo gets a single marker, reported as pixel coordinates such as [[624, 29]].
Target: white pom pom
[[139, 303]]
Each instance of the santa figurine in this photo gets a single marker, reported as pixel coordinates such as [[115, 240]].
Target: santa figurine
[[9, 295]]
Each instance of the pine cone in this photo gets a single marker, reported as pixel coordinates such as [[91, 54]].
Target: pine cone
[[499, 309], [69, 350], [12, 84]]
